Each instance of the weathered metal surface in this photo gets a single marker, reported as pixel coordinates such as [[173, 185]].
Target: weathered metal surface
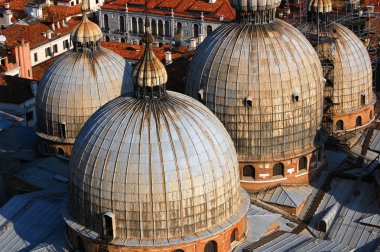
[[291, 196], [76, 85], [265, 83], [165, 167], [294, 242], [371, 220], [375, 141]]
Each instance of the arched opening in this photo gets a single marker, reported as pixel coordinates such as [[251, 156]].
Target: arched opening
[[167, 29], [108, 38], [154, 27], [121, 24], [122, 40], [109, 226], [134, 25], [178, 250], [60, 151], [278, 169], [339, 125], [196, 30], [359, 121], [179, 25], [209, 29], [211, 246], [160, 28], [234, 235], [302, 163], [141, 26], [249, 171], [105, 22]]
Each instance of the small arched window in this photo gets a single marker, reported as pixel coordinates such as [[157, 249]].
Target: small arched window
[[167, 29], [122, 40], [302, 163], [211, 246], [209, 30], [178, 250], [134, 25], [105, 20], [234, 235], [278, 169], [160, 28], [141, 26], [339, 125], [109, 228], [121, 24], [249, 171], [179, 25], [359, 121], [196, 30], [154, 27], [60, 151]]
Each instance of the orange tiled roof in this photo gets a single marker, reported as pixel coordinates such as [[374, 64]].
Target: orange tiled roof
[[15, 5], [34, 33], [39, 70], [182, 8], [62, 10]]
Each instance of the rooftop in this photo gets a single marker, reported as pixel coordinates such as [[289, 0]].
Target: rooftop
[[181, 8], [14, 89], [32, 31]]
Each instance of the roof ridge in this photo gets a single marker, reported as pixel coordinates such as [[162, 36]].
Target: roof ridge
[[288, 193]]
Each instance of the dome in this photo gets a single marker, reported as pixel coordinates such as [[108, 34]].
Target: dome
[[86, 32], [75, 86], [352, 69], [165, 168], [265, 83]]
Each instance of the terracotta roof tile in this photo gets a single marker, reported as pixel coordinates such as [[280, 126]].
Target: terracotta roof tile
[[34, 33], [39, 70]]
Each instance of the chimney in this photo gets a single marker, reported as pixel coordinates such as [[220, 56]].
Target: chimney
[[53, 26], [44, 34], [58, 25], [6, 5], [168, 58], [33, 87], [201, 37], [193, 44], [48, 34]]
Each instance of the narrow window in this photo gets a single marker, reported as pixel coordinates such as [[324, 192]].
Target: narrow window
[[105, 21], [234, 235], [35, 57], [249, 171], [339, 125], [302, 163], [359, 121], [55, 48], [196, 30], [363, 100], [209, 30], [211, 246], [62, 130], [109, 226], [278, 169], [248, 102]]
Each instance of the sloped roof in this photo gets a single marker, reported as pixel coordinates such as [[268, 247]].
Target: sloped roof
[[14, 90], [292, 196], [181, 8], [371, 220]]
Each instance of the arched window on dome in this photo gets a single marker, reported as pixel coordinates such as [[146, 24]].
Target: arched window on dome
[[359, 121], [105, 22], [249, 171], [178, 250], [278, 169], [302, 163], [234, 235], [121, 24], [109, 227], [60, 151], [339, 125], [209, 30], [211, 246], [196, 30]]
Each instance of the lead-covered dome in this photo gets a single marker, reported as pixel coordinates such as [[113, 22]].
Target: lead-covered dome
[[352, 71], [165, 168], [265, 83], [75, 86]]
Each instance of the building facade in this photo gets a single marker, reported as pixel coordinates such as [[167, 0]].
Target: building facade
[[123, 21]]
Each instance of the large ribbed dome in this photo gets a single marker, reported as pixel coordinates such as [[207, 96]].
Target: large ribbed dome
[[265, 83], [75, 86], [166, 169], [352, 69]]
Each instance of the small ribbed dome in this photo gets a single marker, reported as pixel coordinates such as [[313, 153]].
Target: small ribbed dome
[[254, 5], [75, 86], [86, 31], [149, 71], [165, 168], [352, 69], [320, 6], [265, 83]]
